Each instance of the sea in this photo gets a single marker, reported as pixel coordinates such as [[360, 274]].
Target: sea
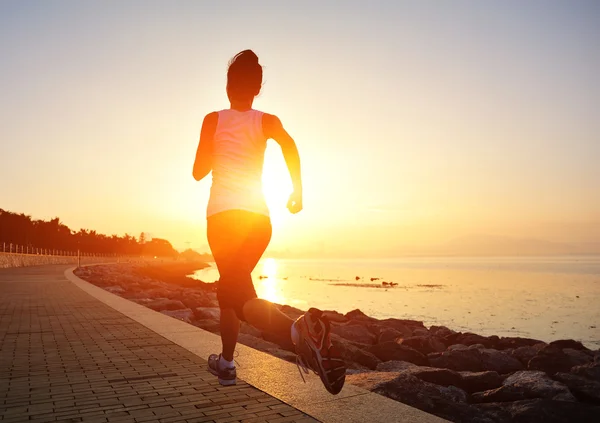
[[546, 298]]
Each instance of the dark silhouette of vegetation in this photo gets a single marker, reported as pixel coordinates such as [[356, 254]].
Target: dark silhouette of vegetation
[[29, 234]]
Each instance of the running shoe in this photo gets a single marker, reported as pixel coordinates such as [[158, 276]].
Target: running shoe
[[227, 376], [317, 353]]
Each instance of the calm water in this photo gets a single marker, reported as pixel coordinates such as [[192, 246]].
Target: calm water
[[544, 298]]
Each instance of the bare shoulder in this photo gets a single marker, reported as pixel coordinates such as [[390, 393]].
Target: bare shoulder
[[271, 125], [211, 118]]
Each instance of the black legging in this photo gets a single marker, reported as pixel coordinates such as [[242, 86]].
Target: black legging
[[237, 239]]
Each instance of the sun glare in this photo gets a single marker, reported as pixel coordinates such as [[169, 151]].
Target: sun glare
[[267, 286], [270, 268]]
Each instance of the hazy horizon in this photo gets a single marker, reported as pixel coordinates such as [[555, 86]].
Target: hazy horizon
[[417, 124]]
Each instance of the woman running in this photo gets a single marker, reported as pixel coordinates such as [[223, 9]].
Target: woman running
[[232, 146]]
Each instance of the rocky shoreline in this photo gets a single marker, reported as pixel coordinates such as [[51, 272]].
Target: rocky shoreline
[[462, 377]]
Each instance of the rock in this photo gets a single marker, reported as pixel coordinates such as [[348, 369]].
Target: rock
[[284, 341], [457, 347], [402, 325], [526, 353], [590, 371], [115, 289], [250, 330], [505, 343], [186, 314], [473, 339], [477, 360], [265, 346], [569, 343], [387, 335], [586, 390], [446, 402], [420, 332], [441, 331], [578, 357], [476, 347], [165, 304], [423, 344], [525, 385], [291, 312], [552, 359], [208, 324], [352, 354], [541, 411], [358, 315], [198, 299], [395, 366], [480, 381], [442, 377], [334, 316], [387, 351], [354, 332], [213, 313]]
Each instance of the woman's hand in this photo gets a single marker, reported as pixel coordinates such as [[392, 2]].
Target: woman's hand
[[294, 204]]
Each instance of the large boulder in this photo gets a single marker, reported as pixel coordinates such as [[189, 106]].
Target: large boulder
[[387, 351], [352, 354], [358, 315], [480, 381], [250, 330], [589, 371], [161, 304], [388, 334], [441, 331], [195, 298], [569, 343], [403, 324], [213, 313], [446, 402], [511, 342], [395, 366], [476, 360], [578, 357], [541, 411], [266, 346], [525, 385], [354, 332], [526, 353], [473, 339], [552, 359], [584, 389], [185, 315], [423, 344], [291, 312]]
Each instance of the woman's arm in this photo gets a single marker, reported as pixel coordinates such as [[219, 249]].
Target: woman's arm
[[273, 128], [203, 162]]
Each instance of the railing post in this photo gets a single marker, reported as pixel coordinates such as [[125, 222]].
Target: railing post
[[78, 258]]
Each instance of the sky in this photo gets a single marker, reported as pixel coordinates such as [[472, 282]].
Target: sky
[[417, 122]]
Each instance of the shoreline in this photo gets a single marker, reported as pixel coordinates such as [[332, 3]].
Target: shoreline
[[457, 376]]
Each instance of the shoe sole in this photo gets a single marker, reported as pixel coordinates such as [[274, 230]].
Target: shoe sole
[[332, 354], [224, 382]]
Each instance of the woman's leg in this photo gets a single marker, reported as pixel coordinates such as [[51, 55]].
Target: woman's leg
[[230, 329]]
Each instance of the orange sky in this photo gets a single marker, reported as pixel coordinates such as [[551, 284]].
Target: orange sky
[[416, 124]]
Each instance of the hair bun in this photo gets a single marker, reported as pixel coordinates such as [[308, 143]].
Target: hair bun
[[246, 56]]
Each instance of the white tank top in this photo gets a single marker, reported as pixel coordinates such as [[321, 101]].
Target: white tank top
[[238, 157]]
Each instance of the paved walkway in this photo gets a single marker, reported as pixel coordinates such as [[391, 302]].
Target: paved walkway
[[66, 356]]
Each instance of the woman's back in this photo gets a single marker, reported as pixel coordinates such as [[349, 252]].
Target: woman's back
[[238, 156]]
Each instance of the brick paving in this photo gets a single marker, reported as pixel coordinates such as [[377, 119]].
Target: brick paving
[[65, 356]]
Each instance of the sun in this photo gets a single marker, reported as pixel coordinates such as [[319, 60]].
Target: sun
[[277, 186]]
